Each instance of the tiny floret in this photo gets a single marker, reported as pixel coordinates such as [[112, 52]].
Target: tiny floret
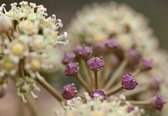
[[128, 82], [95, 63], [130, 109], [147, 64], [133, 54], [83, 51], [71, 69], [159, 102], [98, 93], [69, 91], [112, 43], [69, 57]]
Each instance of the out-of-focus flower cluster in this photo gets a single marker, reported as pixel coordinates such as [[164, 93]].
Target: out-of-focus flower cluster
[[27, 34], [101, 22], [116, 106]]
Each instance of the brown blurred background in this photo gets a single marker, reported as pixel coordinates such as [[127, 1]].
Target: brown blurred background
[[155, 10]]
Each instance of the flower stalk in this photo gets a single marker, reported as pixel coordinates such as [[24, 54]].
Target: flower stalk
[[116, 74], [48, 87], [82, 82]]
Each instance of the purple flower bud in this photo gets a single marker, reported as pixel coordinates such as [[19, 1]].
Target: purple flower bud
[[69, 57], [78, 48], [95, 63], [147, 64], [112, 43], [155, 83], [133, 54], [71, 69], [83, 51], [100, 47], [114, 60], [98, 93], [158, 102], [130, 109], [69, 91], [128, 82]]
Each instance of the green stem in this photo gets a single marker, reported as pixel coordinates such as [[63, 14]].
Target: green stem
[[31, 106], [86, 72], [116, 74], [113, 91], [48, 87], [139, 102], [83, 83], [136, 72], [96, 80], [136, 91]]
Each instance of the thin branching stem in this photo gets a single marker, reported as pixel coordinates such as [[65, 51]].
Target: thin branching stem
[[116, 74], [48, 87], [83, 83]]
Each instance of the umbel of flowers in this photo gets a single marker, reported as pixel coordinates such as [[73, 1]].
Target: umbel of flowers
[[114, 74], [26, 32], [97, 23]]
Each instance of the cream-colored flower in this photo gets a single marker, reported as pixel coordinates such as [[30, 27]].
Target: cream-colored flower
[[100, 22], [26, 33], [114, 106]]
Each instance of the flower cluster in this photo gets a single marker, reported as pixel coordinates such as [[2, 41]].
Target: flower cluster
[[26, 33], [96, 24], [99, 22], [115, 106], [117, 72]]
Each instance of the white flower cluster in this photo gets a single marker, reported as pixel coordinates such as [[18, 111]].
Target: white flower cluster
[[100, 22], [114, 106], [27, 33]]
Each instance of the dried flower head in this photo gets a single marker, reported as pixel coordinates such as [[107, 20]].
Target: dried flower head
[[26, 33]]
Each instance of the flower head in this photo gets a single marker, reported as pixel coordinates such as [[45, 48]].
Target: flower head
[[99, 22], [147, 64], [133, 54], [130, 109], [83, 51], [5, 24], [72, 69], [128, 82], [112, 43], [115, 106], [158, 102], [69, 57], [69, 91], [98, 93], [105, 78], [26, 32], [95, 63]]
